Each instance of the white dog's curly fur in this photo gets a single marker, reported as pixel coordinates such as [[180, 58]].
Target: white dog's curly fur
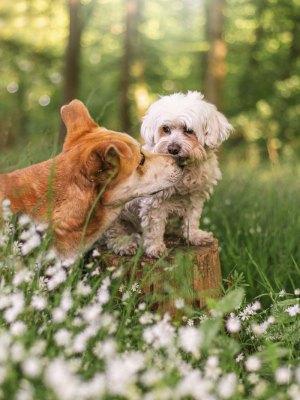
[[184, 125]]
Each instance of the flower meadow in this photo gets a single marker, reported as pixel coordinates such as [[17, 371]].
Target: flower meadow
[[75, 329]]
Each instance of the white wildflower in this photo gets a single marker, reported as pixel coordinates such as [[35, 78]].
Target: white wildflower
[[66, 302], [122, 371], [38, 348], [206, 221], [57, 374], [83, 289], [17, 304], [6, 203], [103, 295], [260, 388], [51, 255], [25, 391], [41, 227], [282, 293], [190, 322], [239, 357], [293, 310], [190, 339], [151, 377], [68, 262], [96, 253], [297, 375], [38, 302], [58, 315], [142, 306], [146, 318], [18, 328], [297, 292], [32, 367], [294, 392], [260, 329], [233, 325], [253, 378], [96, 272], [4, 301], [252, 364], [91, 312], [22, 276], [17, 352], [212, 370], [32, 243], [118, 273], [135, 287], [161, 334], [126, 296], [179, 303], [256, 306], [62, 337], [24, 220], [283, 375], [227, 386], [193, 385], [105, 349], [271, 320], [57, 279]]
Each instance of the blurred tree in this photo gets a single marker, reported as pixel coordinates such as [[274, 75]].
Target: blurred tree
[[78, 17], [132, 16], [215, 57]]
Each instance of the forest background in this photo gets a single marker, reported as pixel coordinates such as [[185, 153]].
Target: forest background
[[119, 55]]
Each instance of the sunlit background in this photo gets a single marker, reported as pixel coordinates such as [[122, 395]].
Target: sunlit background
[[119, 55]]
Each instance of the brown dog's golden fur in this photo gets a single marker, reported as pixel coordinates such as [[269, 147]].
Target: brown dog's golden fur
[[81, 191]]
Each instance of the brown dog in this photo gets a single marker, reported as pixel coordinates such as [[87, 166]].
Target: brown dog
[[81, 191]]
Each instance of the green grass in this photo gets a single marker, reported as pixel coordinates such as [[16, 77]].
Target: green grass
[[255, 215], [97, 337]]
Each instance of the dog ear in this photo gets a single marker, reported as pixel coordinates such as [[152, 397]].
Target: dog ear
[[148, 132], [216, 128], [103, 162], [77, 120]]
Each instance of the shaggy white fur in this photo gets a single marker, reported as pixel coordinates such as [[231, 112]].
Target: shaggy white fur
[[183, 125]]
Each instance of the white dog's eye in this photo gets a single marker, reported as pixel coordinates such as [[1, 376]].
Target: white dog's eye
[[188, 131], [166, 129]]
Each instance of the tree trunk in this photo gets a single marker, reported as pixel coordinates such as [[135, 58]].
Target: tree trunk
[[127, 60], [191, 273], [215, 59], [72, 57]]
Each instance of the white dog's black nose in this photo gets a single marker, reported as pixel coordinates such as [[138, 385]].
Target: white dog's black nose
[[174, 149]]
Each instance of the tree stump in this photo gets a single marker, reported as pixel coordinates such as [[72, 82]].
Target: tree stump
[[191, 273]]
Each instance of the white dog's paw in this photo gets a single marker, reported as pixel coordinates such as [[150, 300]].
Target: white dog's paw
[[155, 250], [124, 245], [199, 237]]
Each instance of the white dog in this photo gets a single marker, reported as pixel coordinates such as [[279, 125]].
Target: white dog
[[183, 125]]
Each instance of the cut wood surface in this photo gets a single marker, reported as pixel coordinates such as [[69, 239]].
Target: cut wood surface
[[191, 273]]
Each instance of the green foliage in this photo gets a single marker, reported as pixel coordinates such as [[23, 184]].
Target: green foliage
[[261, 88]]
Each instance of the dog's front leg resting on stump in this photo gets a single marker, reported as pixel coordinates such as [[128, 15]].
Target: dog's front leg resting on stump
[[153, 221], [191, 218]]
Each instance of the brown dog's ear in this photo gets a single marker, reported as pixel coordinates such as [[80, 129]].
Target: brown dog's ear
[[103, 162], [77, 120]]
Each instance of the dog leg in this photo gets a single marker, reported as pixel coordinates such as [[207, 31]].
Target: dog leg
[[191, 219], [118, 239], [153, 221]]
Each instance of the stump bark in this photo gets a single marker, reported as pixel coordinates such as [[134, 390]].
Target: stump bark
[[192, 273]]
